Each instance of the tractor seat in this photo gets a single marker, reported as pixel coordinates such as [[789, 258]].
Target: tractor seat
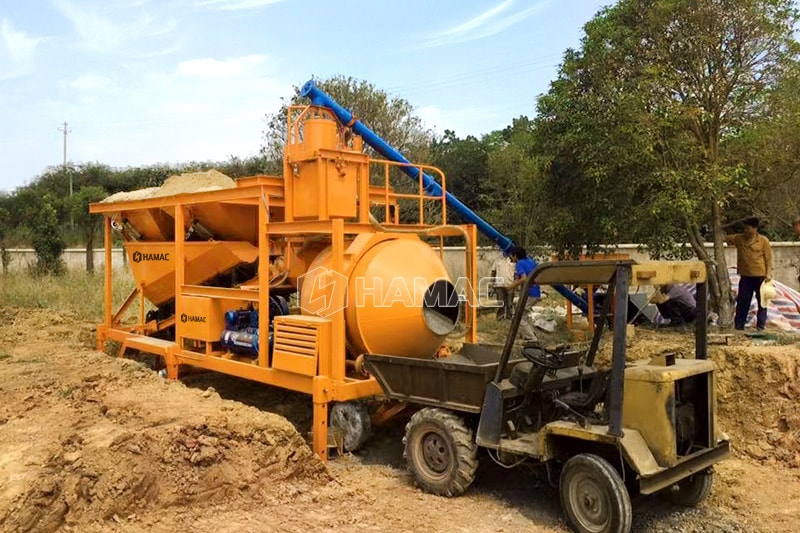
[[563, 378], [520, 374], [544, 368], [586, 400]]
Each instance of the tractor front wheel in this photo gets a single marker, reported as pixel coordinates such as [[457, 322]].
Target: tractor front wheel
[[440, 452], [594, 497]]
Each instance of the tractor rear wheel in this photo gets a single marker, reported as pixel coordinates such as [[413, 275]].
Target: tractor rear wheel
[[690, 491], [594, 497], [440, 452]]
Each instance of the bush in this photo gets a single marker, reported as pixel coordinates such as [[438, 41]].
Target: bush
[[48, 241]]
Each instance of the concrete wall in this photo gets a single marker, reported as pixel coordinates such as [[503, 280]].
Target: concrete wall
[[785, 256], [75, 258]]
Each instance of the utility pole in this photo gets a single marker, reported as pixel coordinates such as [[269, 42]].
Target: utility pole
[[66, 130]]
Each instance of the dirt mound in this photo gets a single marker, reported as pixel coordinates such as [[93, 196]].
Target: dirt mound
[[87, 438], [210, 180], [758, 392]]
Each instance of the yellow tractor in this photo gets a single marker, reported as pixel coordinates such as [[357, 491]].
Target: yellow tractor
[[603, 434]]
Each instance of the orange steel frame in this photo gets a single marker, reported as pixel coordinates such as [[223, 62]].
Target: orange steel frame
[[329, 382]]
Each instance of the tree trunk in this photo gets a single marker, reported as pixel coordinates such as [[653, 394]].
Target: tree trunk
[[724, 299], [5, 258], [90, 251]]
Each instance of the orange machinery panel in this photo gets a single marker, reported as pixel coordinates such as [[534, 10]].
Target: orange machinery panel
[[298, 342], [153, 264], [325, 188], [324, 174], [204, 318]]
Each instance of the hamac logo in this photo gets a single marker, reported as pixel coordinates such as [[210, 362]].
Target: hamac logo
[[192, 318], [138, 257]]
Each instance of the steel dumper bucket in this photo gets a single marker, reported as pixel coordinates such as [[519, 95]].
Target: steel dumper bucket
[[153, 264], [457, 382]]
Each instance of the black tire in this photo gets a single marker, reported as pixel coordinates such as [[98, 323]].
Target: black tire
[[352, 419], [593, 496], [690, 491], [440, 452]]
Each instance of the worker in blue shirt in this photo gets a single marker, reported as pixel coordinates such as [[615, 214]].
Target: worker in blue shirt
[[524, 265]]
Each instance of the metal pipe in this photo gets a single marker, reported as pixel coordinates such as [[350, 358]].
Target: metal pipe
[[429, 185], [600, 322], [701, 322], [617, 385]]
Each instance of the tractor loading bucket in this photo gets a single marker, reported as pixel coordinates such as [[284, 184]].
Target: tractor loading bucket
[[153, 264]]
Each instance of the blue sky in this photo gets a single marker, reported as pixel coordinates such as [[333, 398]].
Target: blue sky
[[148, 81]]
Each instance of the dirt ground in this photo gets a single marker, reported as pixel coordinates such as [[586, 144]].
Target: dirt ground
[[93, 443]]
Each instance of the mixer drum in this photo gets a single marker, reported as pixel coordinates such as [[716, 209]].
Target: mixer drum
[[399, 300]]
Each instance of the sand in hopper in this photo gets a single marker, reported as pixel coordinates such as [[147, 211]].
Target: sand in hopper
[[210, 180]]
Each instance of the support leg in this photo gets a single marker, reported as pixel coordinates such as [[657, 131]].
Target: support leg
[[171, 363], [319, 430], [101, 339]]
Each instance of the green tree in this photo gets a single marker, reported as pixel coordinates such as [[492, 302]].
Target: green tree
[[770, 149], [47, 239], [391, 118], [512, 174], [89, 224], [5, 231], [465, 163], [645, 110]]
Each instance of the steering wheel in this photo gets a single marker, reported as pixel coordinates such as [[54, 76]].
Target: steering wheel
[[542, 357]]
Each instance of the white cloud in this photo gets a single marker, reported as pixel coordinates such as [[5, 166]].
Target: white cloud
[[488, 23], [464, 121], [231, 5], [214, 68], [17, 51], [96, 31], [90, 82], [111, 26], [201, 110], [478, 21], [432, 116]]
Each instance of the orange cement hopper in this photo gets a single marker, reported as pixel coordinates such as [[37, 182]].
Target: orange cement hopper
[[153, 264]]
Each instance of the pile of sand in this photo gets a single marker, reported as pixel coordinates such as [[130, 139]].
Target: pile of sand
[[210, 180], [87, 438]]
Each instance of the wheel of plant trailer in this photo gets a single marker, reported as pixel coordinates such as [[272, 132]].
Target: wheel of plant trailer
[[440, 452], [593, 496], [350, 425], [692, 490]]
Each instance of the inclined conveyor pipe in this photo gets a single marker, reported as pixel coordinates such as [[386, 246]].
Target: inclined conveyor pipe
[[319, 98]]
